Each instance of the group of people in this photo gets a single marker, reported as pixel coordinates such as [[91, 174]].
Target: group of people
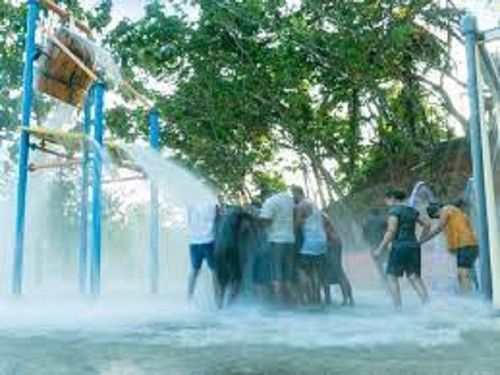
[[402, 244], [286, 252]]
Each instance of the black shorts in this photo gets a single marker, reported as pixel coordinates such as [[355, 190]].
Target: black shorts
[[200, 252], [404, 259], [306, 262], [466, 256]]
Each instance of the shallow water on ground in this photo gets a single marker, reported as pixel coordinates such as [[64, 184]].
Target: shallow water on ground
[[139, 335]]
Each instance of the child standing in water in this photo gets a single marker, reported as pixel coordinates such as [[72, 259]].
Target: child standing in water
[[404, 258]]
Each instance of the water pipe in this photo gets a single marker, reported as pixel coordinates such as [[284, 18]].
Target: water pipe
[[46, 150], [38, 167], [124, 179]]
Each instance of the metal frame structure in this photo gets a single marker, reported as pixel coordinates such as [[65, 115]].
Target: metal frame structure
[[479, 66], [89, 264]]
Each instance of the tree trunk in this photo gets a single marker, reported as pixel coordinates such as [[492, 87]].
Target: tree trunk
[[305, 176], [328, 178], [411, 110], [319, 184], [331, 197], [354, 135]]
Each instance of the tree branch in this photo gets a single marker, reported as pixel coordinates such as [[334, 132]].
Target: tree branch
[[447, 102]]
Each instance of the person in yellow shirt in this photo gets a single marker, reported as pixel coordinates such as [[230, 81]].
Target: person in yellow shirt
[[461, 240]]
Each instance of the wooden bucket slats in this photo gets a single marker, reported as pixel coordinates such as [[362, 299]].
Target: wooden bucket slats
[[59, 76]]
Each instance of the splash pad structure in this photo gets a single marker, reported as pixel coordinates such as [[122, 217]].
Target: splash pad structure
[[62, 68], [484, 100]]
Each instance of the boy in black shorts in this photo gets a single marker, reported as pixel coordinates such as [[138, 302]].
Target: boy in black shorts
[[404, 258]]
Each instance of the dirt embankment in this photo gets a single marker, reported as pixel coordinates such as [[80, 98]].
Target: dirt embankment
[[446, 170]]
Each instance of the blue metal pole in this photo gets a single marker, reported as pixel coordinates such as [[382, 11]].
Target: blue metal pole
[[30, 49], [95, 267], [83, 252], [469, 29], [154, 225]]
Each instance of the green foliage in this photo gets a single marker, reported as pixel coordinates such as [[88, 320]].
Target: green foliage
[[270, 182], [247, 78], [12, 26], [252, 77], [100, 17]]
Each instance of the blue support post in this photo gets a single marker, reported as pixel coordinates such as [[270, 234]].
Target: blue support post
[[469, 29], [83, 251], [154, 225], [30, 49], [95, 266]]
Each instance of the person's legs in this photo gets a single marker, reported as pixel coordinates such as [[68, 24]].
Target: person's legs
[[464, 280], [315, 280], [323, 280], [219, 290], [258, 293], [208, 254], [395, 270], [276, 272], [235, 290], [196, 255], [235, 281], [277, 287], [343, 281], [412, 269], [308, 277], [193, 276], [466, 258], [327, 293], [304, 293], [418, 285], [261, 277], [289, 273], [346, 289], [474, 277], [393, 282]]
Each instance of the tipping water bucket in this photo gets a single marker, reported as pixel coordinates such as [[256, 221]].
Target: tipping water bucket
[[58, 74]]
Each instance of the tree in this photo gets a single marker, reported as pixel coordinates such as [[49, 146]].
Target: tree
[[246, 79], [12, 28], [252, 77]]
